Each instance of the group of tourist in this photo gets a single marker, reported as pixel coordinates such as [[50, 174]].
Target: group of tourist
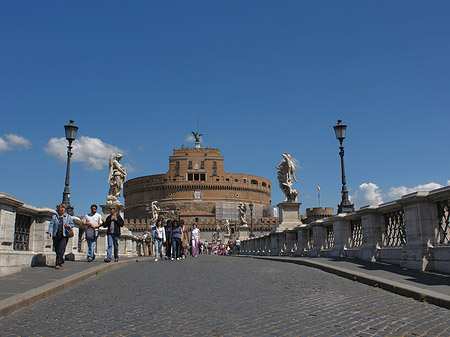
[[176, 240], [170, 241], [60, 230]]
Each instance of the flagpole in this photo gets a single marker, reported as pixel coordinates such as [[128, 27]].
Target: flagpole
[[318, 193]]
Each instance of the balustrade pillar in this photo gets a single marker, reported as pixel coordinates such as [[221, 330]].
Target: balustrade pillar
[[342, 234], [291, 238], [420, 219], [302, 239], [320, 238], [372, 223], [274, 246]]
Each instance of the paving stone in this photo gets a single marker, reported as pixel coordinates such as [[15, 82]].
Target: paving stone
[[220, 296]]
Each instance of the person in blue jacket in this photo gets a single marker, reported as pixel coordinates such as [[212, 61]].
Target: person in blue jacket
[[57, 229]]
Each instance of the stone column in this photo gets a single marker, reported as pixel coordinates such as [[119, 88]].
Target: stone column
[[102, 242], [291, 238], [8, 205], [320, 238], [420, 219], [274, 244], [441, 251], [342, 234], [302, 239], [372, 223]]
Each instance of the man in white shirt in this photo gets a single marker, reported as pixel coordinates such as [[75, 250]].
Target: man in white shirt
[[93, 221]]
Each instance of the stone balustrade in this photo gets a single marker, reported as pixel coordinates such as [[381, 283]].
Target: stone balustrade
[[23, 237], [413, 231]]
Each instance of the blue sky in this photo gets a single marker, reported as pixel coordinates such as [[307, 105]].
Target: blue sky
[[267, 77]]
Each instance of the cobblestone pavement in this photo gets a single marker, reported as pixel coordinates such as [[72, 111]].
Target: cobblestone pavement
[[225, 296]]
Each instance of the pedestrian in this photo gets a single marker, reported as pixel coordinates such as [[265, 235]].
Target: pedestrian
[[185, 239], [168, 229], [59, 226], [147, 243], [160, 239], [144, 239], [195, 238], [93, 221], [237, 246], [177, 235], [113, 223]]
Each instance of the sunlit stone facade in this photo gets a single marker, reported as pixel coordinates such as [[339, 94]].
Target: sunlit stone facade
[[197, 189]]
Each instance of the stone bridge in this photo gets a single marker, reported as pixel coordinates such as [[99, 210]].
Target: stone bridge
[[413, 231]]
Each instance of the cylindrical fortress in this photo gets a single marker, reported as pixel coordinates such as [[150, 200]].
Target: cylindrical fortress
[[198, 189]]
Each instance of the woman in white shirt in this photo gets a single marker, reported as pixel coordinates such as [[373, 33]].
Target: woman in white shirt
[[160, 239], [195, 237]]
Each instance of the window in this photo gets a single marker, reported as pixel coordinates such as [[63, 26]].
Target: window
[[177, 164], [190, 165], [214, 164], [196, 176], [177, 172], [202, 164]]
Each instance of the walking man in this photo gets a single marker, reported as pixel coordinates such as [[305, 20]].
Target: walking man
[[57, 229], [113, 223], [93, 221]]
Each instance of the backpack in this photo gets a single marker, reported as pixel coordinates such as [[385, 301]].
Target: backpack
[[90, 233]]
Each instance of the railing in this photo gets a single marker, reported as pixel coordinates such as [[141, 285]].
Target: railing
[[22, 232], [330, 237], [356, 240], [443, 236], [413, 231], [395, 229]]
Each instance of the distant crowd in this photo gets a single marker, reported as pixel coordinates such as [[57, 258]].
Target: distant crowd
[[171, 241]]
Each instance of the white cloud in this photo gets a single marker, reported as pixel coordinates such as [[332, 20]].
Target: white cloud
[[368, 194], [13, 142], [3, 145], [398, 192], [296, 163], [18, 141], [92, 152], [190, 139], [448, 183]]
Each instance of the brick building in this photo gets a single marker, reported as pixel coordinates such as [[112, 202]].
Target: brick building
[[197, 189]]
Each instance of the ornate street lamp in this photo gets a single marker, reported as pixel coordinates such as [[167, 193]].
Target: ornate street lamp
[[345, 206], [71, 135], [251, 220]]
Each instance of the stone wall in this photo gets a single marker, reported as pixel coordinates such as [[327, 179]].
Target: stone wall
[[413, 231], [23, 237]]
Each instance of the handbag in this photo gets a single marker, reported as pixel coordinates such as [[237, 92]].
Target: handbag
[[69, 232], [90, 233]]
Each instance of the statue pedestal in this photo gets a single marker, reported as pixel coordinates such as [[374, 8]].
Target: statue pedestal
[[243, 232], [289, 216], [105, 211]]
